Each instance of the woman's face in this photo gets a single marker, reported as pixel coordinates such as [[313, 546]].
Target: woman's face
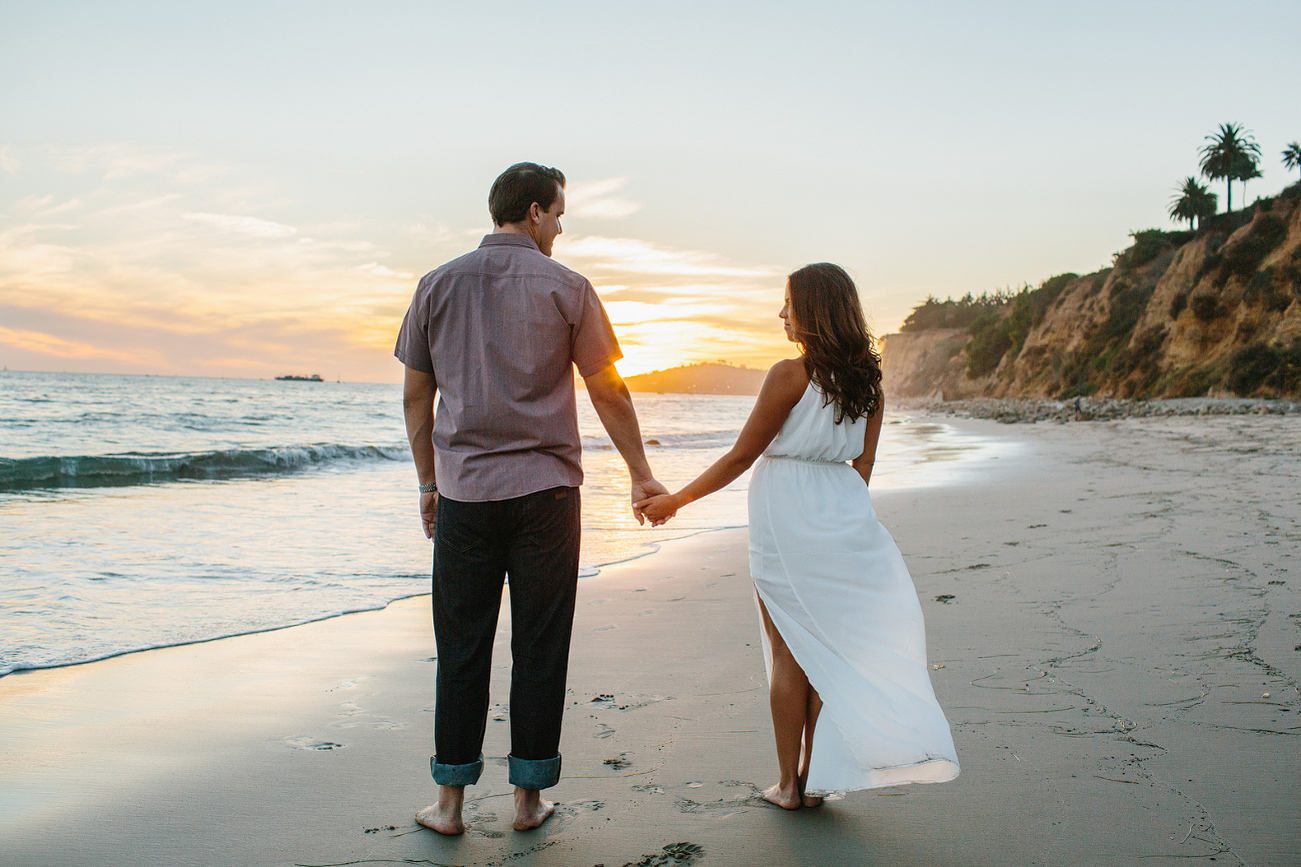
[[787, 315]]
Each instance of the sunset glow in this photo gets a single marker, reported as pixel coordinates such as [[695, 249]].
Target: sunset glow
[[183, 213]]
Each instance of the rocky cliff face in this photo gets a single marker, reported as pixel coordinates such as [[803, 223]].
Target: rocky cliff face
[[1179, 315]]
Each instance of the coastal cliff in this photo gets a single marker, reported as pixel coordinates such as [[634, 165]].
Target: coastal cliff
[[1179, 314]]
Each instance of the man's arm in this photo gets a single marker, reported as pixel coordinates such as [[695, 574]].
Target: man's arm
[[418, 391], [613, 404]]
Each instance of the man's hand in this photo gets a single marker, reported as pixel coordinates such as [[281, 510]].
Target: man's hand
[[644, 491], [429, 512], [658, 509]]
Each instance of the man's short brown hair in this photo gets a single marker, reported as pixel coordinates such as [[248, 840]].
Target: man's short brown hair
[[519, 187]]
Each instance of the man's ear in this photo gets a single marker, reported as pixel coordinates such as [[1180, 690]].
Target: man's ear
[[535, 212]]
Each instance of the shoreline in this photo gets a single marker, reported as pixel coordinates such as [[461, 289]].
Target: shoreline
[[653, 547], [1013, 410], [1103, 617], [918, 475]]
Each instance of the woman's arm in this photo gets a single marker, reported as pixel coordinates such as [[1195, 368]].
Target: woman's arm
[[782, 389], [863, 463]]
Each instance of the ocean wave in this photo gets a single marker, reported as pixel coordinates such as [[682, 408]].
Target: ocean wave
[[695, 439], [94, 471]]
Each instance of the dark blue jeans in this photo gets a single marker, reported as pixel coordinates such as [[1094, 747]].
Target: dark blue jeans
[[535, 540]]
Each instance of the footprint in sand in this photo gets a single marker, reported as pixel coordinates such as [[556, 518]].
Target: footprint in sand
[[568, 811], [724, 807], [618, 763], [349, 683], [476, 822], [303, 742], [673, 855]]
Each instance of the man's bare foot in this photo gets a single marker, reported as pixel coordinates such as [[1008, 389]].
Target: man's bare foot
[[531, 809], [787, 798], [445, 816], [811, 800]]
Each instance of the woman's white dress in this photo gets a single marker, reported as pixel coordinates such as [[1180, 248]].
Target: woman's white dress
[[838, 592]]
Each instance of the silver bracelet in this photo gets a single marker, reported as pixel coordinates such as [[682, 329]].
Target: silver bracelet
[[430, 488]]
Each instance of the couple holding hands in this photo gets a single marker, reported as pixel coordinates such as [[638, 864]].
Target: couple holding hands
[[493, 337]]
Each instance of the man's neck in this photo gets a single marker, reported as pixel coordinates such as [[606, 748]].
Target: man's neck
[[514, 229]]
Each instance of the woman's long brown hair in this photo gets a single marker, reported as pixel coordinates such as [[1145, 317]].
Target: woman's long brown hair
[[832, 334]]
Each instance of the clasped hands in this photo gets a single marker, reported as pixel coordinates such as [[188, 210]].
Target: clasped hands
[[652, 501]]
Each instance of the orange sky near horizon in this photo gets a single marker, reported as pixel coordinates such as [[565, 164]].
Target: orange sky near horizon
[[125, 278]]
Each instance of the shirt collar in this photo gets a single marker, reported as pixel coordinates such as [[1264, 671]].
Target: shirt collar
[[508, 239]]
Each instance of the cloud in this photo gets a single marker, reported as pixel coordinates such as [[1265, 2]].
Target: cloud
[[132, 266], [57, 347], [8, 162], [631, 255], [244, 225], [379, 270], [594, 199]]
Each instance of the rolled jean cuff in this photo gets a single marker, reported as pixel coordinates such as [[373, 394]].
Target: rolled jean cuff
[[456, 775], [534, 773]]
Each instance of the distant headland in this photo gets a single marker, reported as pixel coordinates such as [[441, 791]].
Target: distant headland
[[707, 378]]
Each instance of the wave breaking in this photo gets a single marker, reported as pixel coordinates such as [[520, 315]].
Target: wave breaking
[[132, 468]]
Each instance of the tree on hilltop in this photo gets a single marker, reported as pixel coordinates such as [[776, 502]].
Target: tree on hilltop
[[1292, 156], [1247, 172], [1192, 201], [1231, 153]]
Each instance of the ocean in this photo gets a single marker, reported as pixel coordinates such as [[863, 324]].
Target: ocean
[[140, 511]]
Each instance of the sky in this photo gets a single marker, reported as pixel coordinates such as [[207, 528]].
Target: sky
[[250, 189]]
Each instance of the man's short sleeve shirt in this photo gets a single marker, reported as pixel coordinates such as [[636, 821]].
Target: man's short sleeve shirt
[[501, 329]]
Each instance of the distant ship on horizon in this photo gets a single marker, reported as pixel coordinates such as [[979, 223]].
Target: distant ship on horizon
[[315, 377]]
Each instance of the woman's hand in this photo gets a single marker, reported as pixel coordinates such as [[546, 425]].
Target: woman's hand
[[658, 509]]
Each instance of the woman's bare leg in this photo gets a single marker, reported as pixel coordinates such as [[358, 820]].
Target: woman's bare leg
[[789, 700], [810, 722]]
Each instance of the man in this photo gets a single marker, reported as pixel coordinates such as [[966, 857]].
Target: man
[[496, 335]]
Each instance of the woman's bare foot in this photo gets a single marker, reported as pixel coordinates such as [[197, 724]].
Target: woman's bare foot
[[788, 798], [445, 816], [531, 809], [811, 800]]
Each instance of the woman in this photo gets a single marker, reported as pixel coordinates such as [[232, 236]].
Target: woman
[[845, 646]]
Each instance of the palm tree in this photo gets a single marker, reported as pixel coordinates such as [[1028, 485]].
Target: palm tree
[[1192, 202], [1292, 156], [1246, 172], [1231, 154]]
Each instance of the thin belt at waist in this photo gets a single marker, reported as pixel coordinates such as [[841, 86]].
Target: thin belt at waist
[[804, 460]]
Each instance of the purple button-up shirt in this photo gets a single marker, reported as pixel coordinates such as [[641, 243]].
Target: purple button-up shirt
[[501, 330]]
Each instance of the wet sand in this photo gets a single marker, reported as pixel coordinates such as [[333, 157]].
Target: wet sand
[[1118, 654]]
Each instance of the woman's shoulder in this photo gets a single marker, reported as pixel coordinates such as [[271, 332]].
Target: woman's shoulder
[[789, 372], [787, 380]]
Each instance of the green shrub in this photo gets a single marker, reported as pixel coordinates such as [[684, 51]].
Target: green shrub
[[933, 313], [1246, 254], [1051, 288], [1207, 307], [1092, 366], [1148, 244], [1259, 287], [1194, 382], [1177, 304], [1259, 365], [989, 343]]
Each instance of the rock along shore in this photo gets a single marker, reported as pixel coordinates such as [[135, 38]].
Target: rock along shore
[[1090, 409]]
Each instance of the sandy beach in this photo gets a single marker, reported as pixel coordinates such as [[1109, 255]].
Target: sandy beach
[[1113, 613]]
